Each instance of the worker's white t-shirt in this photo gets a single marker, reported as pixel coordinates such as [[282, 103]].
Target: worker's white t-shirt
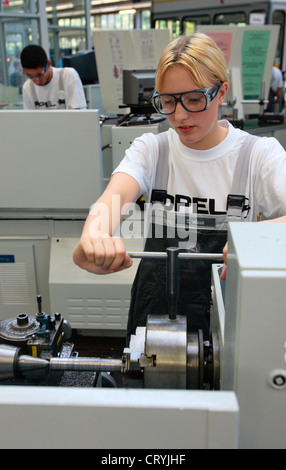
[[65, 91], [206, 175], [276, 79]]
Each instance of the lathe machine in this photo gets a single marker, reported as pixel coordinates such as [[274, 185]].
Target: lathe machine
[[181, 391], [162, 354]]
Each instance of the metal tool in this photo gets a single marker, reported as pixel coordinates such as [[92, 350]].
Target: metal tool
[[85, 364], [36, 335], [173, 272], [169, 356], [181, 255], [13, 365]]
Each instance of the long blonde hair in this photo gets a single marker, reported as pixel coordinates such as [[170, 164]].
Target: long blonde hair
[[199, 54]]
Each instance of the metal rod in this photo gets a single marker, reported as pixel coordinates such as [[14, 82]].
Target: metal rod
[[254, 101], [172, 281], [81, 364], [183, 255], [228, 105]]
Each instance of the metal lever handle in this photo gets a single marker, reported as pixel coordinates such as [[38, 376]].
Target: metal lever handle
[[173, 281], [172, 284], [183, 255]]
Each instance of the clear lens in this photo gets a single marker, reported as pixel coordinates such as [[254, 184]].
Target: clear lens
[[195, 101], [166, 104]]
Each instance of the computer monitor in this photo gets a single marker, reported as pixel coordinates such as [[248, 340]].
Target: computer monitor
[[84, 63], [138, 86]]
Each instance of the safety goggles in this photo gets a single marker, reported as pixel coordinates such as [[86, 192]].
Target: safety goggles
[[38, 75], [194, 101]]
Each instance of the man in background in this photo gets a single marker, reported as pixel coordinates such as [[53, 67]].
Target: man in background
[[48, 87], [276, 87]]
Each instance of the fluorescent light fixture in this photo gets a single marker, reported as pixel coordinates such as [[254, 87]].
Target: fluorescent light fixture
[[131, 11], [65, 6]]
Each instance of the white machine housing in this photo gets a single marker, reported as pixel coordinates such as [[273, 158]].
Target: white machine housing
[[253, 361]]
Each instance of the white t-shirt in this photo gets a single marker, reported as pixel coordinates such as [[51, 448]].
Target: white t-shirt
[[65, 91], [206, 175], [276, 79]]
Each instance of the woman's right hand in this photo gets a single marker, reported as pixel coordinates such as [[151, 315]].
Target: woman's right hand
[[101, 254]]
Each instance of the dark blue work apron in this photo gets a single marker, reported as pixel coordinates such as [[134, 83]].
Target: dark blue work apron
[[148, 295]]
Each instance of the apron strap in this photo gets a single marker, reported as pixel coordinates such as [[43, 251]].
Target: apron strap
[[34, 95], [61, 79], [61, 97], [236, 200], [241, 170], [162, 170]]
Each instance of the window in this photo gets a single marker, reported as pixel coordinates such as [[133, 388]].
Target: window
[[238, 18], [146, 19], [190, 23], [172, 24], [20, 6]]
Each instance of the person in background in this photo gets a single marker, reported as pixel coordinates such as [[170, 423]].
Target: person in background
[[276, 87], [190, 176], [16, 75], [48, 87]]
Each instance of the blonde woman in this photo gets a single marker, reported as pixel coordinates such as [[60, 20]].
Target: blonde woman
[[199, 174]]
